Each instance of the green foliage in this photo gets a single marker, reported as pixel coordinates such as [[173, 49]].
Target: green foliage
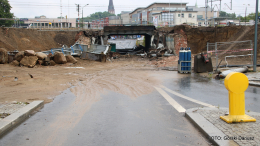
[[5, 13], [251, 16], [233, 16], [97, 15], [225, 14]]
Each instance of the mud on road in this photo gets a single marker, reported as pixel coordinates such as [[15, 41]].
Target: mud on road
[[89, 78]]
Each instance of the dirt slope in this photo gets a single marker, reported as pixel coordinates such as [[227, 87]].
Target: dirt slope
[[198, 37], [28, 39]]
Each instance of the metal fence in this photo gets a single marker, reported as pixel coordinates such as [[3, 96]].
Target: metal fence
[[231, 53]]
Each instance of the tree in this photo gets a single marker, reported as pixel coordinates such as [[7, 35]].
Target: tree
[[97, 15], [251, 16], [225, 14], [5, 13]]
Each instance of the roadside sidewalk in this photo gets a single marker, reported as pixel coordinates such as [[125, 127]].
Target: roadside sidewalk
[[18, 114], [221, 133], [254, 79]]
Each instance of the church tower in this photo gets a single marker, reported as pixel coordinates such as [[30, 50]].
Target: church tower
[[111, 7]]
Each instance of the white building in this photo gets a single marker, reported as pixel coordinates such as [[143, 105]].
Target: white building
[[175, 18], [43, 22]]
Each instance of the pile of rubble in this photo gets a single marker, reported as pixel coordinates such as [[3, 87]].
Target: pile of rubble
[[170, 61], [29, 58]]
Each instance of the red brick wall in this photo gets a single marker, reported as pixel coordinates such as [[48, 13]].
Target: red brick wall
[[180, 40]]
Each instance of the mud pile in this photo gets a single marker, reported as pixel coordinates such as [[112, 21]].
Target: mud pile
[[30, 39]]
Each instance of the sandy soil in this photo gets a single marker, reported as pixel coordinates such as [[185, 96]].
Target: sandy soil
[[92, 78]]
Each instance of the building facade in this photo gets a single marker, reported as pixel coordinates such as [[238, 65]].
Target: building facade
[[43, 22]]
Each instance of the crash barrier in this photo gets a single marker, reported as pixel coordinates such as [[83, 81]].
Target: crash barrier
[[184, 63], [237, 83], [77, 49], [219, 50]]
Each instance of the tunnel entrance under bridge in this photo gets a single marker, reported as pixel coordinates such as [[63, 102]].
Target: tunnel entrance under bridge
[[146, 31]]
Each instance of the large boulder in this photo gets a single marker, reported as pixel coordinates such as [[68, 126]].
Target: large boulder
[[59, 58], [71, 59], [15, 63], [29, 61], [52, 63], [3, 56], [41, 55], [19, 56], [29, 53]]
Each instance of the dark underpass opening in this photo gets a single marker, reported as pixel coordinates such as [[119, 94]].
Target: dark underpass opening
[[129, 38]]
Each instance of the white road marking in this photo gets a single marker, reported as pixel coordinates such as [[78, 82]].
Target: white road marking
[[175, 104], [185, 97]]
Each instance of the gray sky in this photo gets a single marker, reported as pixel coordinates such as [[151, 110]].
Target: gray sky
[[52, 9]]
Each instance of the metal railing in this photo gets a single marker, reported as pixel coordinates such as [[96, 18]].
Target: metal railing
[[241, 50]]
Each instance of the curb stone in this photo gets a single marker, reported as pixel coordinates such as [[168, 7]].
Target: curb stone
[[207, 128], [254, 84], [18, 117]]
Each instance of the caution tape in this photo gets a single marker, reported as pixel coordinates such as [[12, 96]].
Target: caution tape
[[238, 50]]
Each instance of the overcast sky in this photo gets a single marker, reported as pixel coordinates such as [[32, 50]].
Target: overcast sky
[[52, 8]]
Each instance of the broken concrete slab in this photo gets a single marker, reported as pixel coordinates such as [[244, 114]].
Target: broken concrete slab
[[3, 56], [225, 73], [59, 58], [19, 56], [29, 61], [40, 62], [15, 63], [41, 55], [29, 53], [71, 59]]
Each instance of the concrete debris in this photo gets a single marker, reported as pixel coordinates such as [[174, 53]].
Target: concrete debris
[[160, 46], [41, 55], [71, 59], [15, 63], [29, 53], [29, 61], [40, 62], [164, 61], [225, 73], [52, 63], [3, 56], [19, 56], [90, 56], [59, 58]]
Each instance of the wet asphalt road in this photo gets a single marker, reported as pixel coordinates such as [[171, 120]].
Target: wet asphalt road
[[119, 120]]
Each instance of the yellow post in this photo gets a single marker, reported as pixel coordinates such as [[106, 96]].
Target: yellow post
[[237, 83]]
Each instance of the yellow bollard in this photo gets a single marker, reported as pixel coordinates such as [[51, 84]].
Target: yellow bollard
[[237, 83]]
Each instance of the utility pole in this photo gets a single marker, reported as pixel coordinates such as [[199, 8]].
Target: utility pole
[[169, 15], [82, 15], [181, 11], [245, 16], [78, 13], [246, 11], [206, 13], [61, 13], [255, 46]]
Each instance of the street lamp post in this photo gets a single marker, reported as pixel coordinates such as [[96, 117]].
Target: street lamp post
[[255, 46], [82, 14], [245, 11]]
